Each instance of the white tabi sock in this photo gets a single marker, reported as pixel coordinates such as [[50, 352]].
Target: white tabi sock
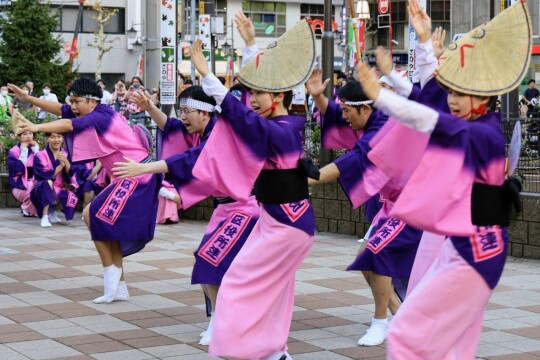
[[122, 294], [376, 334], [45, 221], [111, 280], [53, 216], [207, 336]]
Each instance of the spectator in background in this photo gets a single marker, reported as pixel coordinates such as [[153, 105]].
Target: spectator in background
[[187, 83], [155, 97], [118, 97], [30, 85], [19, 104], [135, 113], [49, 96], [5, 102], [107, 96], [531, 96]]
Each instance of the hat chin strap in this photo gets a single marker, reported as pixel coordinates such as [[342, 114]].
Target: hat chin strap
[[481, 110], [271, 109]]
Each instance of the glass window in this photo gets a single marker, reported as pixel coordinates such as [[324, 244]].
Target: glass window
[[315, 12], [268, 17], [68, 18]]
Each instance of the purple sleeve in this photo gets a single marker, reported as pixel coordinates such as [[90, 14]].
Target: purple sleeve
[[15, 166], [41, 172]]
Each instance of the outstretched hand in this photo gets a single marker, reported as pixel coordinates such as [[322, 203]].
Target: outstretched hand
[[129, 168], [315, 86], [197, 58], [23, 124], [245, 28], [437, 38], [420, 21], [141, 99], [384, 60], [19, 93], [369, 81]]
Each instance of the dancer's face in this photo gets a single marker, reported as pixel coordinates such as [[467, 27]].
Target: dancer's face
[[461, 105], [82, 106], [194, 120], [26, 137], [55, 141], [261, 102], [357, 118]]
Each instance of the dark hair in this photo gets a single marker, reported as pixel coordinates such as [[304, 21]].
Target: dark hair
[[196, 92], [138, 78], [287, 99], [46, 85], [85, 86], [101, 81], [532, 81], [222, 79], [352, 91], [188, 82], [492, 103], [47, 134], [340, 74]]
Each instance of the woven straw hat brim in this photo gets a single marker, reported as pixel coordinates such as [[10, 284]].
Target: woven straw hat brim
[[491, 59], [285, 64]]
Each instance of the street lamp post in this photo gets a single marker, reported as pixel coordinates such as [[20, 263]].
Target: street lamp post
[[137, 46]]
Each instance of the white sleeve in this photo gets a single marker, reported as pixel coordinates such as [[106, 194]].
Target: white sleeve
[[23, 157], [35, 149], [427, 62], [249, 53], [402, 86], [410, 113], [213, 87]]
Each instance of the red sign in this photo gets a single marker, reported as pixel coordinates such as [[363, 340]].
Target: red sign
[[67, 47], [361, 34], [383, 6]]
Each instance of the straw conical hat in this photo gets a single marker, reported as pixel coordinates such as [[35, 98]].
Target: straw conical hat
[[15, 118], [491, 59], [284, 64]]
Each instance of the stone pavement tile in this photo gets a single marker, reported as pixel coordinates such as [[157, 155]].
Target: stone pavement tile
[[362, 352], [487, 350], [300, 347], [308, 314], [333, 343], [311, 334], [138, 315], [524, 356], [40, 298], [532, 332], [153, 301], [43, 349], [168, 350], [157, 321], [57, 328], [28, 275], [155, 287], [133, 354], [320, 355], [524, 345], [327, 322], [78, 261], [159, 274], [151, 341], [130, 334], [175, 329], [504, 324], [36, 314], [82, 339], [296, 325], [179, 311], [15, 258], [499, 336], [336, 284], [101, 347], [191, 301], [70, 310], [22, 336], [193, 318]]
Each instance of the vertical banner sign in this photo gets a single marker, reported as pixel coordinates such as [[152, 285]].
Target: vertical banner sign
[[168, 36], [351, 41], [413, 39], [205, 35]]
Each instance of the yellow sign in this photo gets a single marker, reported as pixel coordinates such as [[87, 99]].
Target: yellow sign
[[503, 5], [201, 7]]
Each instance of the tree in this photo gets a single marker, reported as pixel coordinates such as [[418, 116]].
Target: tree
[[100, 39], [28, 50]]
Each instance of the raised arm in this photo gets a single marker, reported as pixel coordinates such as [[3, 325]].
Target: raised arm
[[210, 83], [386, 67], [58, 126], [48, 106], [315, 87]]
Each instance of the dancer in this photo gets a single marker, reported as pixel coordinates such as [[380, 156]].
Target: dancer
[[91, 180], [231, 221], [54, 182], [20, 163], [96, 131], [262, 148], [392, 244], [458, 188]]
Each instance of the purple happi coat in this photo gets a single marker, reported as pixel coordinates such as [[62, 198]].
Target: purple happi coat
[[117, 212]]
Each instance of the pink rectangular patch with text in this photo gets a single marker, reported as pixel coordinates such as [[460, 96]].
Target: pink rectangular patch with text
[[112, 207]]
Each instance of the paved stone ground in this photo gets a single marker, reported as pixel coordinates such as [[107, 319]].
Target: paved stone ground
[[48, 278]]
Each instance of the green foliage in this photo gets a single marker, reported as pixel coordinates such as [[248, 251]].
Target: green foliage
[[28, 49]]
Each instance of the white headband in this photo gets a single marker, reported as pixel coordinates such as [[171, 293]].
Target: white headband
[[356, 103], [196, 104], [85, 96]]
